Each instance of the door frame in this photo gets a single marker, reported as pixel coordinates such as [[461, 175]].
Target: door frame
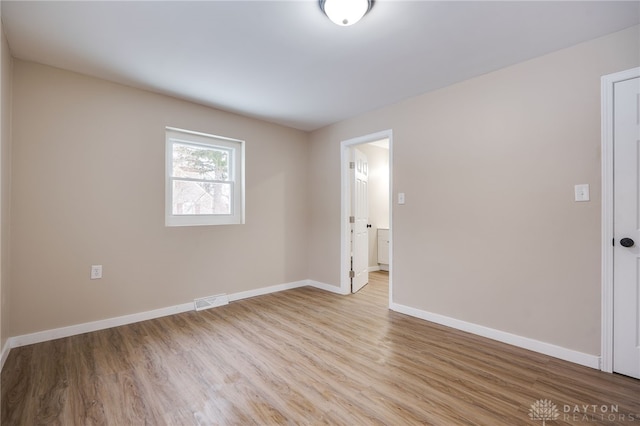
[[345, 206], [607, 83]]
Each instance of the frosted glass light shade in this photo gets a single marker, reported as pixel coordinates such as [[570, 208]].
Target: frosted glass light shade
[[345, 12]]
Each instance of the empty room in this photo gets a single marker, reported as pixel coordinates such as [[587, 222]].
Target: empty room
[[344, 212]]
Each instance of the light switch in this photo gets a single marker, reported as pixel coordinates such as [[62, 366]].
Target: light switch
[[582, 192], [400, 197], [96, 272]]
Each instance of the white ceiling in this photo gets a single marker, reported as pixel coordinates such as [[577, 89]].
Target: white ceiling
[[285, 62]]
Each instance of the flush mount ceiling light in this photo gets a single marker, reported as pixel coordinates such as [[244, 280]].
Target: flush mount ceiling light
[[345, 12]]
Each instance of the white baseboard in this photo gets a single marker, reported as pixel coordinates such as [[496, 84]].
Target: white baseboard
[[266, 290], [326, 287], [374, 268], [501, 336], [57, 333], [5, 353], [570, 355]]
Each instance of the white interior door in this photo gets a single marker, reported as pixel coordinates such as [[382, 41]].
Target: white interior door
[[626, 256], [360, 214]]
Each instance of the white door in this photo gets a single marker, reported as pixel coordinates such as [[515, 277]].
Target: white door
[[360, 215], [626, 256]]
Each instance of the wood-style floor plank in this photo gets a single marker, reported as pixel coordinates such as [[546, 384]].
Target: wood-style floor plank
[[299, 357]]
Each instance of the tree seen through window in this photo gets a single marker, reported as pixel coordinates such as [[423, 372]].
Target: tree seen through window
[[205, 187]]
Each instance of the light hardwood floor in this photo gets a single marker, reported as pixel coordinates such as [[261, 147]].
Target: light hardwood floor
[[304, 357]]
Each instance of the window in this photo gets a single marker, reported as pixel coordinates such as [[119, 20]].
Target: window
[[204, 179]]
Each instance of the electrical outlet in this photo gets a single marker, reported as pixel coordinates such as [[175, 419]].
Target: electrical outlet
[[96, 272]]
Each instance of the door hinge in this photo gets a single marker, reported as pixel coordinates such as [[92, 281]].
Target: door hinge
[[613, 242], [352, 165], [352, 219], [352, 274]]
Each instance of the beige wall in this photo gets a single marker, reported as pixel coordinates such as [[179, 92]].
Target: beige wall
[[88, 188], [378, 183], [490, 233], [5, 180]]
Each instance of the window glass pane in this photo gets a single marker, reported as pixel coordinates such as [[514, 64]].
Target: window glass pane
[[200, 162], [193, 198]]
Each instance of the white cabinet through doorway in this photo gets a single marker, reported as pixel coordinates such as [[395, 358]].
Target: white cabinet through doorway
[[383, 248]]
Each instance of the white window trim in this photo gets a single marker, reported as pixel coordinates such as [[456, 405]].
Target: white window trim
[[237, 215]]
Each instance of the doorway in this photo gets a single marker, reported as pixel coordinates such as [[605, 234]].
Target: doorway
[[376, 142], [620, 218]]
